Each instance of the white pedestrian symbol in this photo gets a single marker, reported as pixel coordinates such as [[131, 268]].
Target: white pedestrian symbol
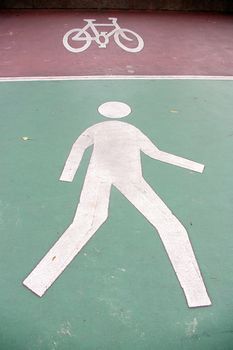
[[79, 39], [116, 161]]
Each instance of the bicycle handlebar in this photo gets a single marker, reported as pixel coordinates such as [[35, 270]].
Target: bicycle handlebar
[[114, 19]]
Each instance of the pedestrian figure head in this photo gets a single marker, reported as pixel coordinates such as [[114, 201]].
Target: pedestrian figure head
[[114, 109]]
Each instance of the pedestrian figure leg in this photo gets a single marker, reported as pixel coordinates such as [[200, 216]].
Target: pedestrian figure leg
[[173, 236], [91, 213]]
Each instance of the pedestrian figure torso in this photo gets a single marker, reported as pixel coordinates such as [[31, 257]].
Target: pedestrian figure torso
[[116, 151]]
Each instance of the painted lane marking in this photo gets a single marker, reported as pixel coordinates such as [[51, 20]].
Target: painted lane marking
[[120, 166], [83, 36], [115, 77]]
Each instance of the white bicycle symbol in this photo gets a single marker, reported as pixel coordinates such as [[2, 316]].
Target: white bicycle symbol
[[101, 38]]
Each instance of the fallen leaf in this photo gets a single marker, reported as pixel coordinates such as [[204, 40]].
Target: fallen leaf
[[25, 138]]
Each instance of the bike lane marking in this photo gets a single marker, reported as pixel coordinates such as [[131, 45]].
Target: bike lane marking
[[197, 38], [123, 37]]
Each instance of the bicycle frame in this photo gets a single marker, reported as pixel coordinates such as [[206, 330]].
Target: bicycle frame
[[90, 25]]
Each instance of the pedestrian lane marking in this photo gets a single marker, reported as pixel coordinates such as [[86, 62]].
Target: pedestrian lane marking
[[116, 161]]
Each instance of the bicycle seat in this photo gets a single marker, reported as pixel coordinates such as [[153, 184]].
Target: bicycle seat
[[112, 19], [89, 20]]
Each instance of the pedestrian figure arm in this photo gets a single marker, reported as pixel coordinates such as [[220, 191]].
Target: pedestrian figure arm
[[72, 163], [152, 151]]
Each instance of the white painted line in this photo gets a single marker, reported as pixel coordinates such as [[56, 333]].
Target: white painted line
[[116, 77], [116, 161]]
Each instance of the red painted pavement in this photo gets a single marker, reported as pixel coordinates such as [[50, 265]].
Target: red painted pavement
[[175, 44]]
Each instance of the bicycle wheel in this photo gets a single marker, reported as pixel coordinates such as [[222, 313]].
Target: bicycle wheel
[[122, 35], [76, 35]]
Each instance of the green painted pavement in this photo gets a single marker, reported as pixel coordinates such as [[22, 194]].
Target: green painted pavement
[[120, 292]]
